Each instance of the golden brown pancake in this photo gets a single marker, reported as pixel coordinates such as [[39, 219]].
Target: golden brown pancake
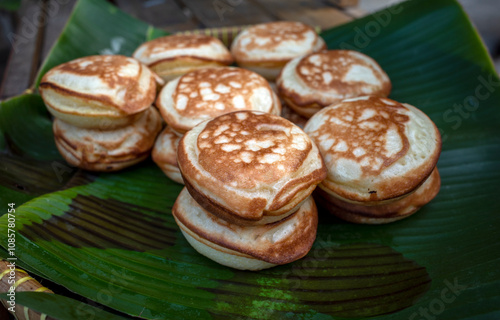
[[108, 150], [210, 92], [174, 55], [249, 167], [98, 91], [317, 80], [383, 213], [375, 149], [246, 247], [266, 48], [165, 154]]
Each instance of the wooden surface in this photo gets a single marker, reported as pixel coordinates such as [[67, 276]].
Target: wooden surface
[[22, 282], [41, 21]]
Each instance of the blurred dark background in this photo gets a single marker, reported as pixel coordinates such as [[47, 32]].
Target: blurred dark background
[[7, 25], [485, 14]]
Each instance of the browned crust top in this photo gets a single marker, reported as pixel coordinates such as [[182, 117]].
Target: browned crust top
[[179, 41], [185, 41], [244, 174], [327, 70], [364, 139], [360, 130], [215, 91], [332, 71], [268, 36], [107, 69], [247, 149]]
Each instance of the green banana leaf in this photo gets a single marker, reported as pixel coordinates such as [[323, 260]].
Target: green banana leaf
[[60, 307], [111, 238], [10, 5]]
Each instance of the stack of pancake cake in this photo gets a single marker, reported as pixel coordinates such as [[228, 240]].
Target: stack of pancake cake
[[235, 140]]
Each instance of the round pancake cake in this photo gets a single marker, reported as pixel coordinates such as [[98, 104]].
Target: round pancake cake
[[249, 167], [376, 149], [174, 55], [266, 48], [165, 154], [246, 247], [206, 93], [382, 213], [106, 91], [108, 150], [317, 80]]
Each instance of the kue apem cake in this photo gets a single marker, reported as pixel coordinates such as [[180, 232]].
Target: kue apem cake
[[381, 213], [309, 83], [266, 48], [165, 154], [248, 167], [174, 55], [210, 92], [206, 93], [381, 157], [108, 150], [247, 203], [96, 92], [102, 105], [246, 247]]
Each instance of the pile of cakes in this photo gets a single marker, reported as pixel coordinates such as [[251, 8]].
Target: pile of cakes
[[203, 94], [235, 140], [249, 176], [103, 118], [381, 157]]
